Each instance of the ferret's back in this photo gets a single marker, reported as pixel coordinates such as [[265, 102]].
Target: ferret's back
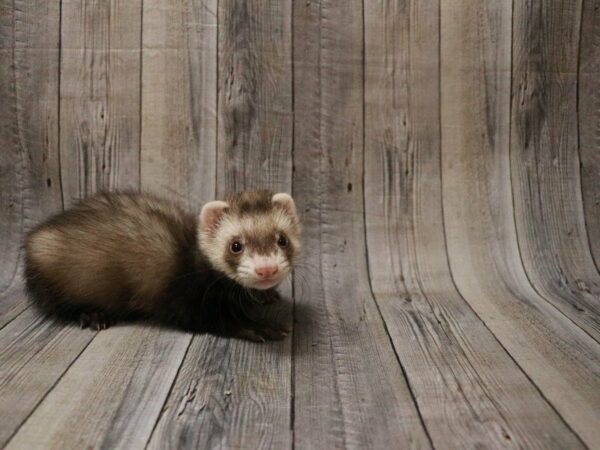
[[110, 248]]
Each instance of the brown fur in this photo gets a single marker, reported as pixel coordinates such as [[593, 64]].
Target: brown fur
[[251, 218], [110, 251], [124, 254]]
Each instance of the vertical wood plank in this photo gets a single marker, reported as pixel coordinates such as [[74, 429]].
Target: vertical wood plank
[[350, 387], [255, 124], [100, 96], [350, 391], [231, 393], [100, 114], [469, 392], [559, 357], [588, 116], [30, 185], [179, 100], [545, 163]]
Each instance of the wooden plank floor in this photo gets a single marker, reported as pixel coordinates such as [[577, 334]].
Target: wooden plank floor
[[445, 161]]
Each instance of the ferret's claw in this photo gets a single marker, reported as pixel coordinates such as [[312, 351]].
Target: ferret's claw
[[250, 335], [273, 334], [96, 321], [272, 331], [84, 320]]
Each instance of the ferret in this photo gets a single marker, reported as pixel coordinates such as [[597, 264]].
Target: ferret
[[123, 255]]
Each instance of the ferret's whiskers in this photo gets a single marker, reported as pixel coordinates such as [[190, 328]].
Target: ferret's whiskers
[[139, 254]]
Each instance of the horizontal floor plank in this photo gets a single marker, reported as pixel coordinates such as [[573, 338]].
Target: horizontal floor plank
[[34, 354], [112, 395]]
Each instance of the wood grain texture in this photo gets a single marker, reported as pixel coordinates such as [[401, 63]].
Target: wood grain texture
[[444, 157], [350, 391], [99, 96], [232, 393], [100, 116], [34, 354], [588, 115], [111, 395], [469, 392], [560, 358], [228, 394], [179, 100], [255, 95], [545, 163], [29, 161], [178, 161]]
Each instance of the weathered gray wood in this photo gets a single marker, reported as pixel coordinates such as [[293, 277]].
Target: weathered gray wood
[[179, 100], [255, 120], [228, 394], [588, 116], [99, 96], [29, 163], [231, 393], [179, 143], [350, 391], [545, 163], [100, 123], [211, 121], [116, 390], [34, 354], [559, 357], [111, 396], [469, 392], [13, 301]]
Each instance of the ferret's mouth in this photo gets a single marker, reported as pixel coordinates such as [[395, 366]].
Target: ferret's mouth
[[265, 283], [262, 283], [249, 279]]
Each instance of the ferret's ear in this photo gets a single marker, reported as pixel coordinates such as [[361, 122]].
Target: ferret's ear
[[211, 214], [286, 202]]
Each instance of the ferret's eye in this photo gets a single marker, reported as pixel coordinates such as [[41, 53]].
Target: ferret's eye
[[236, 247], [282, 241]]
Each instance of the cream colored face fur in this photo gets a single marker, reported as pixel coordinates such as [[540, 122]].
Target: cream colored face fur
[[259, 235]]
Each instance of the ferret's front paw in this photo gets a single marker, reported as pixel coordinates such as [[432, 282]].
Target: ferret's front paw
[[264, 332], [273, 331], [249, 335], [273, 334], [95, 321]]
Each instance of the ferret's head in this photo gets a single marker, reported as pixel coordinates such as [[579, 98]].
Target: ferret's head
[[252, 237]]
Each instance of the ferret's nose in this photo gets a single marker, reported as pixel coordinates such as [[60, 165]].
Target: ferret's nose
[[266, 271]]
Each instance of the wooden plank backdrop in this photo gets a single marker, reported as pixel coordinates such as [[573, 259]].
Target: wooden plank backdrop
[[445, 159]]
